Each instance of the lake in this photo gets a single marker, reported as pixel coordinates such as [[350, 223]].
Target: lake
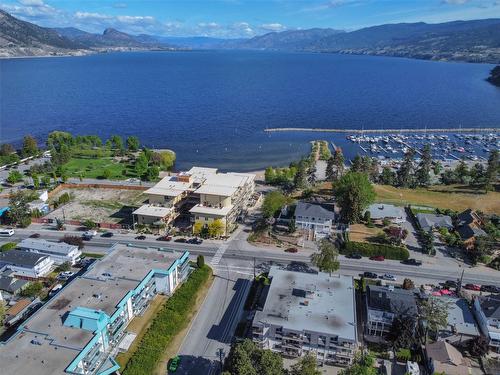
[[211, 106]]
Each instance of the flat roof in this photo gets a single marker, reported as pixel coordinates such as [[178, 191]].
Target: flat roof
[[44, 245], [223, 211], [382, 210], [153, 211], [169, 186], [22, 258], [60, 344], [314, 302], [220, 190], [460, 316]]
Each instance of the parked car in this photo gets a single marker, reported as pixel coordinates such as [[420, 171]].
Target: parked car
[[370, 275], [472, 287], [65, 275], [490, 288], [107, 234], [140, 237], [450, 284], [378, 258], [180, 240], [291, 250], [164, 238], [412, 262], [388, 276], [195, 241], [354, 256], [174, 364], [35, 235]]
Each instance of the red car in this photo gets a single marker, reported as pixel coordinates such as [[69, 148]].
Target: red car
[[378, 258], [164, 238], [473, 287], [291, 250]]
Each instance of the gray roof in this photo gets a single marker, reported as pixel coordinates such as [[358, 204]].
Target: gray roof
[[430, 221], [11, 284], [314, 302], [21, 258], [460, 316], [397, 301], [306, 209], [382, 211], [490, 306], [46, 246]]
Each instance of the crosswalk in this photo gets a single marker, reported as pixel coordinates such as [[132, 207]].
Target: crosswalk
[[219, 254]]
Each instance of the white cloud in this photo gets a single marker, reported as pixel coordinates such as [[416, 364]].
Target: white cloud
[[208, 25], [32, 3], [242, 29], [120, 5], [134, 20], [273, 27], [455, 2], [92, 16]]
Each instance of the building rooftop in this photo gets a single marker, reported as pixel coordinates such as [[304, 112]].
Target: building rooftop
[[152, 210], [381, 211], [393, 300], [468, 231], [21, 258], [305, 209], [44, 245], [169, 186], [11, 284], [101, 289], [220, 190], [446, 359], [460, 318], [490, 306], [429, 221], [216, 211], [314, 302]]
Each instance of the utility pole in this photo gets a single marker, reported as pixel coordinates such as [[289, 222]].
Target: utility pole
[[254, 268], [459, 286]]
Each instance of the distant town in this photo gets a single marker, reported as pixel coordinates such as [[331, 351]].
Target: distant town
[[114, 262]]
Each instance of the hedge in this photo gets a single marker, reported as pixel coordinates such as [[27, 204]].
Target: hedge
[[373, 249], [170, 320]]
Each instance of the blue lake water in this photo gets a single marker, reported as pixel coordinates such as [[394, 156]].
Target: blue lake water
[[211, 106]]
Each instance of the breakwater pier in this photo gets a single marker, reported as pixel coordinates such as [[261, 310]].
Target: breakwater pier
[[375, 131]]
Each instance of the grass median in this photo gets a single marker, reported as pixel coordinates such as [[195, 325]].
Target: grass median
[[171, 319]]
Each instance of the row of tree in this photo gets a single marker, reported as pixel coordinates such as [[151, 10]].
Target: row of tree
[[9, 155]]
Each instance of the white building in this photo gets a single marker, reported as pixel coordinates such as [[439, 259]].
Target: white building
[[26, 264], [314, 219], [60, 252], [487, 312], [308, 313], [379, 212]]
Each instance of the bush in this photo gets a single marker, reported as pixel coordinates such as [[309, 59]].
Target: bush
[[73, 240], [32, 290], [170, 320], [403, 355], [372, 249], [200, 261], [8, 246]]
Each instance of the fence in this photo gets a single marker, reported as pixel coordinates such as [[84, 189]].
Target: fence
[[42, 220]]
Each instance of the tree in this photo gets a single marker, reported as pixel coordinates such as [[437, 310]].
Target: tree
[[200, 261], [462, 171], [167, 160], [269, 175], [73, 240], [216, 228], [492, 170], [106, 174], [2, 312], [273, 202], [36, 181], [326, 258], [423, 176], [30, 146], [197, 227], [117, 142], [405, 174], [46, 181], [353, 193], [362, 365], [300, 180], [330, 172], [6, 149], [338, 159], [14, 177], [8, 246], [478, 346], [437, 167], [357, 164], [89, 224], [402, 332], [141, 164], [245, 358], [307, 365], [434, 311], [64, 267], [132, 143], [32, 290], [152, 173], [19, 210], [408, 284], [483, 245], [387, 177], [374, 170]]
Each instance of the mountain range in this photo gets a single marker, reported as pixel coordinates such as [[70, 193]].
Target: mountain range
[[473, 41]]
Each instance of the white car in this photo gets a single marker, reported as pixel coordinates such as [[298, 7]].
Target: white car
[[388, 276]]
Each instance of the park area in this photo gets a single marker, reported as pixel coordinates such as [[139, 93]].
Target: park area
[[98, 204], [454, 197]]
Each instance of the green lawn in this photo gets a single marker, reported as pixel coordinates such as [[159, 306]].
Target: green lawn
[[94, 168]]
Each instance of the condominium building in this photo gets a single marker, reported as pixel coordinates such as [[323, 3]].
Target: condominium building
[[59, 252], [202, 193], [83, 327], [308, 313], [487, 312], [26, 264]]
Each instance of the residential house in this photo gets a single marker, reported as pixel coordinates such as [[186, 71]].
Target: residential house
[[59, 252], [379, 212], [308, 313], [17, 311], [461, 325], [468, 227], [428, 222], [26, 264], [383, 305], [487, 312], [443, 358], [314, 219], [10, 284]]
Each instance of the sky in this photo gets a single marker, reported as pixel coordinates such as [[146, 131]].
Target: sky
[[241, 18]]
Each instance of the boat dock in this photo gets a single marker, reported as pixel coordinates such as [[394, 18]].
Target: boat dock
[[375, 131]]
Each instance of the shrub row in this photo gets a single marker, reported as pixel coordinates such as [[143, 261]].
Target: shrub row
[[170, 320], [374, 249]]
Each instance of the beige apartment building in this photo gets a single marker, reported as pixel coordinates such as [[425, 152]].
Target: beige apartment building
[[203, 193]]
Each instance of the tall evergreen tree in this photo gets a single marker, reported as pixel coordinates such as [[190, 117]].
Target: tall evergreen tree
[[357, 164], [424, 168], [330, 172], [405, 173], [387, 177], [462, 172], [492, 169], [353, 193], [338, 159]]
